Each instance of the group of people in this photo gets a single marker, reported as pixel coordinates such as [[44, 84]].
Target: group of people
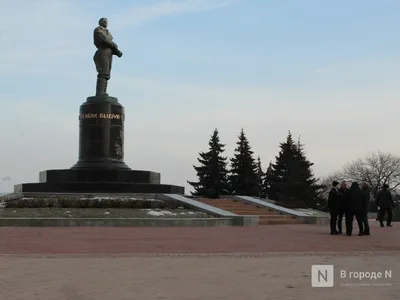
[[353, 202]]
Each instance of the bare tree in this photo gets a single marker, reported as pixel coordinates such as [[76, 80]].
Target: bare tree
[[376, 170]]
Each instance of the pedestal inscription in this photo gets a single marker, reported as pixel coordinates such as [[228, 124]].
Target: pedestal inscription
[[101, 136]]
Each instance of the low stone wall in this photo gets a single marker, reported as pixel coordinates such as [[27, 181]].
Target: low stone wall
[[246, 221], [315, 220], [221, 217], [120, 222]]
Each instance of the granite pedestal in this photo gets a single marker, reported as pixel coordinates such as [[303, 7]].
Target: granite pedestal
[[100, 167]]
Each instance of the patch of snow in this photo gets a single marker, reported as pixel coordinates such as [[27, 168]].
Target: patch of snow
[[27, 198], [311, 212], [67, 212], [160, 213], [107, 213], [180, 207], [193, 213], [2, 205], [122, 198], [305, 211], [14, 211]]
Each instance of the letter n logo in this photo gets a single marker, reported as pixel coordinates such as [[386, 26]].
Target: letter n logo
[[322, 276]]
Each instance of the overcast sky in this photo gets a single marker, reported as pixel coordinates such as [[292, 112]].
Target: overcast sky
[[326, 70]]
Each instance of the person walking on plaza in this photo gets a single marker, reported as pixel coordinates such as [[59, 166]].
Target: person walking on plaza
[[343, 201], [384, 201], [365, 208], [333, 204], [354, 209]]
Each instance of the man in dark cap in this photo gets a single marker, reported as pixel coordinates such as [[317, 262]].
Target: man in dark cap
[[333, 204], [384, 201], [354, 209], [343, 203]]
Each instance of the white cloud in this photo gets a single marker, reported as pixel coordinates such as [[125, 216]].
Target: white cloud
[[140, 14], [40, 32], [45, 34]]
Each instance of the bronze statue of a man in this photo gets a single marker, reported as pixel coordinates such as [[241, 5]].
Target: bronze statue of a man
[[106, 48]]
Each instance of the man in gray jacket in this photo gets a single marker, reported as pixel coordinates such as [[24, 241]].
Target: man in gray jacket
[[384, 201]]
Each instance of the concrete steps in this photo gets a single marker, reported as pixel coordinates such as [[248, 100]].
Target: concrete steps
[[266, 216]]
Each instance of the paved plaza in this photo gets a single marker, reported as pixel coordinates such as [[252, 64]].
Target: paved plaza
[[261, 239], [268, 262]]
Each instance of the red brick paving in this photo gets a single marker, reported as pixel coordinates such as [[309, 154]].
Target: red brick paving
[[108, 240]]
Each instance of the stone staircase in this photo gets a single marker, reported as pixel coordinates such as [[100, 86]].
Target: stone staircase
[[266, 216]]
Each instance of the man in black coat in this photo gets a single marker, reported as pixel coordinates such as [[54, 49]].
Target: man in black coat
[[365, 208], [333, 204], [385, 203], [343, 202], [354, 209]]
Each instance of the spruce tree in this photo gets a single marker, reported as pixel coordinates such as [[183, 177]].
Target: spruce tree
[[260, 178], [291, 179], [243, 177], [281, 171], [306, 184], [212, 172], [269, 179]]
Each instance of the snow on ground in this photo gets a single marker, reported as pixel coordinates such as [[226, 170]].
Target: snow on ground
[[122, 198], [99, 213], [106, 198], [159, 213], [311, 212]]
